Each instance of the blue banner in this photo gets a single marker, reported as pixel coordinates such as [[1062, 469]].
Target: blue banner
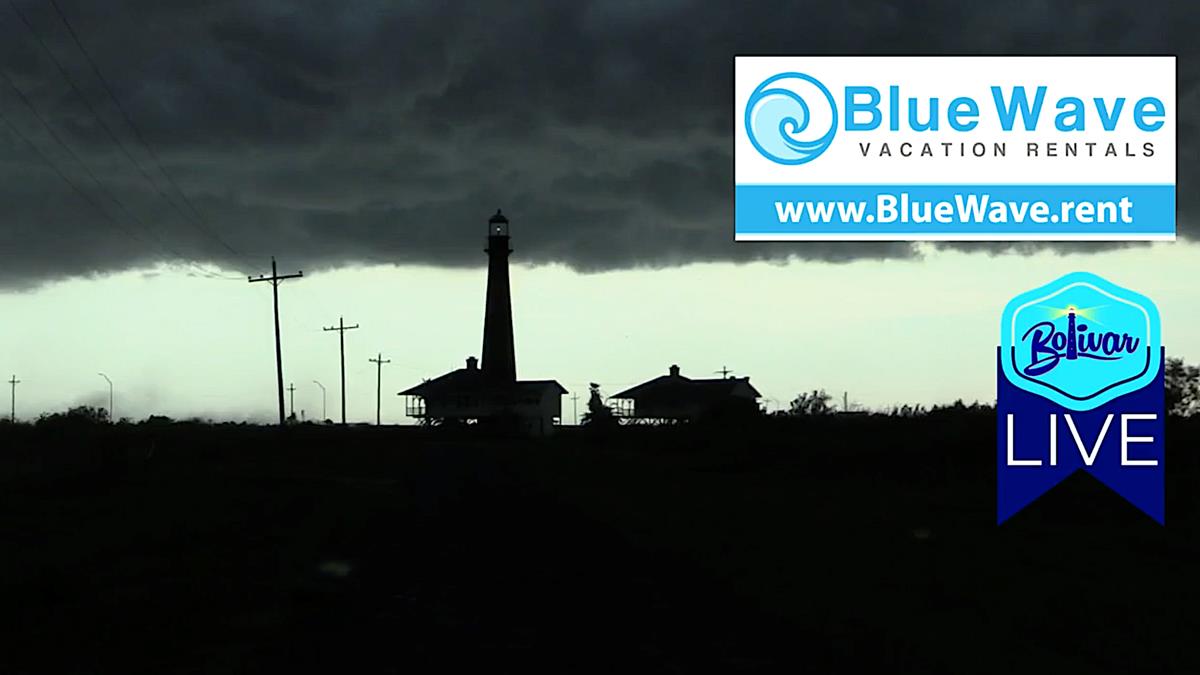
[[955, 211], [1122, 439]]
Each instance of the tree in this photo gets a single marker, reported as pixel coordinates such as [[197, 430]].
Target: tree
[[598, 413], [815, 402], [1182, 387], [908, 410], [78, 416]]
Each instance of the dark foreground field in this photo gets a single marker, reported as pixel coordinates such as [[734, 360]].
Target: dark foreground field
[[822, 546]]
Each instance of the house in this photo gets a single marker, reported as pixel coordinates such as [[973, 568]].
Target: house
[[466, 395], [491, 392], [675, 398]]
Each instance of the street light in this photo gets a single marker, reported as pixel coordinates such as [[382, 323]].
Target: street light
[[112, 415], [324, 416]]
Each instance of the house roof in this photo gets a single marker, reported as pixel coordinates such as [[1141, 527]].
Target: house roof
[[542, 384], [678, 386], [473, 381]]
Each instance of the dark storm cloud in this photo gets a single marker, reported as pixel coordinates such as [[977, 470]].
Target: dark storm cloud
[[329, 133]]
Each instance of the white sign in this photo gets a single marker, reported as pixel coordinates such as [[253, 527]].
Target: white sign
[[954, 148]]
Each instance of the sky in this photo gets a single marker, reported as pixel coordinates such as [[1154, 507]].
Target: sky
[[910, 330], [152, 154]]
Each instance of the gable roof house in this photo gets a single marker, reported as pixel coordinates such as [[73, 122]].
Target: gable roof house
[[676, 398], [468, 395]]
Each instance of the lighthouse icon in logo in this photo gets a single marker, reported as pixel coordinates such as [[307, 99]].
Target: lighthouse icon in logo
[[1080, 386], [1072, 350]]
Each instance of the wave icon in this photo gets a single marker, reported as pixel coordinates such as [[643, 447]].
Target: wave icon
[[782, 126]]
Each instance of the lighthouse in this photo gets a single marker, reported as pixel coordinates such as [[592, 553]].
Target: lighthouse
[[489, 392], [1072, 349], [499, 357]]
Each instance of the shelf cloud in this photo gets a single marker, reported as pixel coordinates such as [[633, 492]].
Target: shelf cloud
[[337, 133]]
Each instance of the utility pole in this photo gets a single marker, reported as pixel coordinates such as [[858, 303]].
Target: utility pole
[[724, 371], [378, 361], [12, 416], [341, 328], [324, 414], [575, 406], [275, 279], [292, 400], [845, 401], [112, 416]]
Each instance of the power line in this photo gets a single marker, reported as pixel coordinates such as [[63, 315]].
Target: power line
[[58, 139], [12, 416], [275, 278], [78, 190], [129, 119], [75, 88], [341, 328], [100, 120], [379, 361]]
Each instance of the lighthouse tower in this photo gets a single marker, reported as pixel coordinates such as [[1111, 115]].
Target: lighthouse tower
[[1072, 349], [499, 358], [490, 390]]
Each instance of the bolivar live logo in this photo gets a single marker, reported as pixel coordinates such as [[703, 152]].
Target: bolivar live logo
[[1080, 386]]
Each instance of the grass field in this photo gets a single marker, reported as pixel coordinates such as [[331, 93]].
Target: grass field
[[822, 545]]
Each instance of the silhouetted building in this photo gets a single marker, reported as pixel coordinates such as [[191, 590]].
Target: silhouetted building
[[675, 398], [491, 392], [499, 354]]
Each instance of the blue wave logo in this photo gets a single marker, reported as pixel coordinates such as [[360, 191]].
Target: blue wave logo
[[781, 124], [1080, 341]]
